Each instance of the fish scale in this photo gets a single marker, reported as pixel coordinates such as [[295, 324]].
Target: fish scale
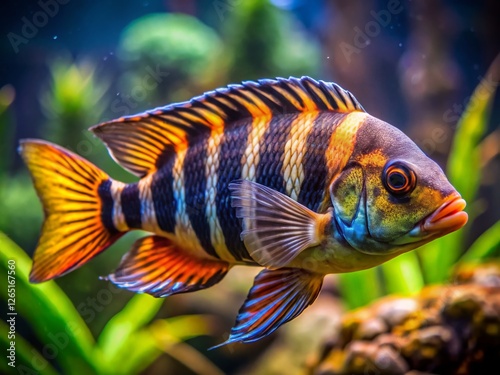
[[291, 175]]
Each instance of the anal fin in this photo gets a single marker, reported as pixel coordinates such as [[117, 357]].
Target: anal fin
[[276, 297], [159, 267]]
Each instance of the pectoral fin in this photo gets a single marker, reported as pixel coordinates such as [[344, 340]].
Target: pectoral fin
[[157, 266], [276, 297], [275, 227]]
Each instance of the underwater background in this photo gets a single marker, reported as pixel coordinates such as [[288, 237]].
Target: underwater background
[[428, 68]]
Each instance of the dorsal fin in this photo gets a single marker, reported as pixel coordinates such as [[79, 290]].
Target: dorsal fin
[[142, 143]]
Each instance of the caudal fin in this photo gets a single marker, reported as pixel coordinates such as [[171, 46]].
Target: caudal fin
[[73, 193]]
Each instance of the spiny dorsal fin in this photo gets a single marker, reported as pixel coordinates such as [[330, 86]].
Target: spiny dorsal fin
[[142, 143]]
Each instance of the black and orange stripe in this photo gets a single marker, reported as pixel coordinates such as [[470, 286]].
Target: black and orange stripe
[[314, 163], [232, 148], [195, 181], [163, 197], [272, 151], [255, 122]]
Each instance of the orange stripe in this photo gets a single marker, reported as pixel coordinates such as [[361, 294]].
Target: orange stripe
[[184, 232], [251, 156], [341, 145], [211, 169], [295, 149], [256, 106]]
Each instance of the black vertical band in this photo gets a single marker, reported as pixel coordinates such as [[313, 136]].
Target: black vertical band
[[131, 206], [195, 184], [104, 191]]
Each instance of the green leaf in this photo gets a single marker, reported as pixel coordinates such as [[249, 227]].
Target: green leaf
[[141, 350], [464, 173], [439, 256], [487, 245], [403, 274], [464, 164], [26, 355], [114, 338], [360, 288], [50, 313]]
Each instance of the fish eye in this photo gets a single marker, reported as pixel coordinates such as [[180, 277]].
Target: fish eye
[[399, 179]]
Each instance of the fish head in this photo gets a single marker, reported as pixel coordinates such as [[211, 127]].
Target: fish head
[[391, 197]]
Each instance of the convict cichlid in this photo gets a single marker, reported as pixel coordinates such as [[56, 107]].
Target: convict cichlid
[[289, 174]]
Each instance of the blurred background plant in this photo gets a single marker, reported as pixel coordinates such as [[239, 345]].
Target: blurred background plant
[[412, 64]]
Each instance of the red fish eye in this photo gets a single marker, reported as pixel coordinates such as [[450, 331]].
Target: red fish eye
[[399, 179]]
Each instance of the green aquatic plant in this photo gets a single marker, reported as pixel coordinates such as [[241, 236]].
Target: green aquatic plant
[[434, 262], [166, 57], [264, 41], [74, 99], [130, 341]]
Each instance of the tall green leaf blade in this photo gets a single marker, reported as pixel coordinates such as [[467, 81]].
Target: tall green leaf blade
[[142, 351], [360, 288], [50, 313], [487, 245], [403, 274], [464, 164], [464, 172], [114, 338]]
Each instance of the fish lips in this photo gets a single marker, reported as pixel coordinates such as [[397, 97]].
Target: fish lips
[[449, 217]]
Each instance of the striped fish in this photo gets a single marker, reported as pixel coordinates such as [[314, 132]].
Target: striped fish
[[289, 174]]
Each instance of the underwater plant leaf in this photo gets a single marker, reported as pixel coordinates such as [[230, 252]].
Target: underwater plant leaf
[[26, 355], [138, 312], [464, 173], [360, 288], [403, 274], [464, 163], [50, 313], [487, 245], [138, 353], [165, 336], [74, 99], [181, 328]]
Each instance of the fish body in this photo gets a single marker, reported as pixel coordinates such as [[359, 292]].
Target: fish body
[[289, 174]]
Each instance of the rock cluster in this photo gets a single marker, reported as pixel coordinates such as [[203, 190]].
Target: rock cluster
[[446, 329]]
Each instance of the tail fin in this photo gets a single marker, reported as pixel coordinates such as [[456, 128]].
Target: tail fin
[[73, 193]]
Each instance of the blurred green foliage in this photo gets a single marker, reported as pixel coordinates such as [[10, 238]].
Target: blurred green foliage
[[434, 262], [74, 101], [166, 57], [263, 41], [129, 343]]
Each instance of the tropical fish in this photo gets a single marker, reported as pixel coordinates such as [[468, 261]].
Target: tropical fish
[[288, 174]]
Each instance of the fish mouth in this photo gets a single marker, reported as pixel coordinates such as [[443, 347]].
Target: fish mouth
[[449, 217]]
